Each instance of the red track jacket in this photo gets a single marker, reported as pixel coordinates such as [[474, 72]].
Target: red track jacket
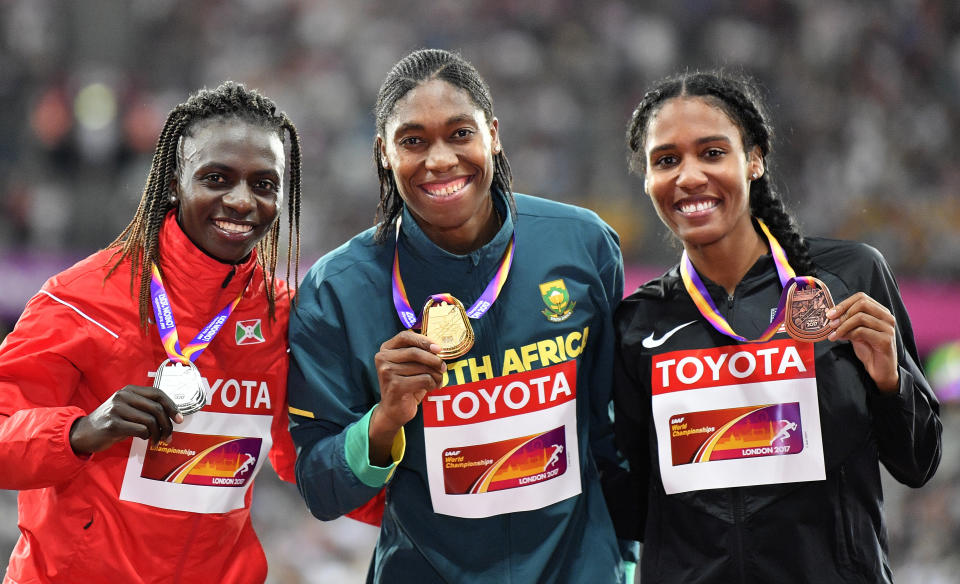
[[139, 511]]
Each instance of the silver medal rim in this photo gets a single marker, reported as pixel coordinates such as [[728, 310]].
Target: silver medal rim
[[199, 399]]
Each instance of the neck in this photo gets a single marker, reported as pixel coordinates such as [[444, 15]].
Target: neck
[[727, 260], [465, 239]]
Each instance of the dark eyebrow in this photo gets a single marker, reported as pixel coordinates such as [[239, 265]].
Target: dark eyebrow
[[409, 127], [704, 140], [459, 119], [213, 166], [417, 127], [221, 168]]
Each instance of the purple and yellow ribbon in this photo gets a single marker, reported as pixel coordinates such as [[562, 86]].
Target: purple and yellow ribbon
[[701, 297], [411, 319], [167, 326]]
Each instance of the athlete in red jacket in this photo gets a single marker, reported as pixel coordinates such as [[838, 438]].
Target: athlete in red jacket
[[115, 484]]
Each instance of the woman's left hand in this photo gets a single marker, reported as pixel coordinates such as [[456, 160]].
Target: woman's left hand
[[871, 329]]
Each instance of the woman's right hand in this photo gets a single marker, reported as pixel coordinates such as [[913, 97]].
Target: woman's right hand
[[143, 412], [407, 367]]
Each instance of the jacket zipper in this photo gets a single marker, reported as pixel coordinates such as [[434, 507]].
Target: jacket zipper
[[738, 514], [233, 271], [186, 550]]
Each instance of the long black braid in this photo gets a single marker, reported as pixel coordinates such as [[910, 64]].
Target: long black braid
[[140, 239], [416, 68], [740, 100]]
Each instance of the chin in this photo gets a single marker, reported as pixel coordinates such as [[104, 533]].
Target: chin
[[700, 235]]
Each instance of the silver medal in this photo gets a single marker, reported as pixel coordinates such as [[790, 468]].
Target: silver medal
[[182, 383]]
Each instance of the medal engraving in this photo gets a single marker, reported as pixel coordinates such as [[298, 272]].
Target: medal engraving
[[182, 383], [448, 326], [806, 312]]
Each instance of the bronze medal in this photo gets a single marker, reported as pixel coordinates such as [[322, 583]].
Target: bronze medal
[[447, 325], [806, 309]]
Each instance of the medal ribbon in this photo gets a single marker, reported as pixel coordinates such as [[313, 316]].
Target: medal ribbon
[[701, 297], [411, 319], [167, 327]]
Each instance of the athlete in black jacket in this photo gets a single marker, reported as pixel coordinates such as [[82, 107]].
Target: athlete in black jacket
[[754, 456]]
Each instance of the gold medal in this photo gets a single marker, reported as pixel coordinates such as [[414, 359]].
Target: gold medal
[[447, 325], [806, 312]]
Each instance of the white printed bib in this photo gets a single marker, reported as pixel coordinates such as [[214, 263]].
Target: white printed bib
[[213, 456], [503, 445], [736, 416]]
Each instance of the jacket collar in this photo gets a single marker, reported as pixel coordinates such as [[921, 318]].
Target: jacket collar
[[416, 241], [760, 274], [190, 275]]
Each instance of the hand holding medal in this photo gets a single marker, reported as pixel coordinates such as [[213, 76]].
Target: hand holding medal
[[408, 366], [144, 412], [411, 364], [871, 330]]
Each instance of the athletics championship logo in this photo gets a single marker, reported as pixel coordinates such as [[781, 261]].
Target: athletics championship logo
[[555, 296], [249, 332]]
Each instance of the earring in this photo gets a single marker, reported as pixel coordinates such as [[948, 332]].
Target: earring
[[496, 149], [173, 200], [753, 176]]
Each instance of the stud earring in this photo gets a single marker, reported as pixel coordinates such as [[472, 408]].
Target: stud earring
[[173, 200], [753, 176]]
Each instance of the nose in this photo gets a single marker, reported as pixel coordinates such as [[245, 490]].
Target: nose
[[440, 157], [690, 176], [239, 199]]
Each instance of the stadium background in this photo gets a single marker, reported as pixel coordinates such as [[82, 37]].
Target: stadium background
[[865, 96]]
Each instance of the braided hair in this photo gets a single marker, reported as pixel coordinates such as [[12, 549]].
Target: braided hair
[[739, 100], [410, 72], [139, 241]]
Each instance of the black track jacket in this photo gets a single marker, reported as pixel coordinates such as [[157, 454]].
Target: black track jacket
[[818, 531]]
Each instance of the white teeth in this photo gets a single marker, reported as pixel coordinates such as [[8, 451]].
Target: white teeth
[[449, 189], [697, 206], [233, 227]]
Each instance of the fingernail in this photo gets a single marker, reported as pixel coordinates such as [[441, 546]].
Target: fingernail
[[831, 312], [832, 336], [178, 418], [443, 366], [435, 348], [835, 322]]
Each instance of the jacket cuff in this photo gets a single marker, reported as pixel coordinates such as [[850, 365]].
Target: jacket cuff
[[898, 397], [357, 450], [67, 451]]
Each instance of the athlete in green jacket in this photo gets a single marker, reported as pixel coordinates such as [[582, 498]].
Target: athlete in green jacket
[[491, 453]]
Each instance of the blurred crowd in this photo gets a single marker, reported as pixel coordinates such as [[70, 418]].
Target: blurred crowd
[[865, 96]]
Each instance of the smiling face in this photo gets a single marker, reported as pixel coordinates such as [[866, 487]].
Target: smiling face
[[439, 146], [230, 186], [698, 174]]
